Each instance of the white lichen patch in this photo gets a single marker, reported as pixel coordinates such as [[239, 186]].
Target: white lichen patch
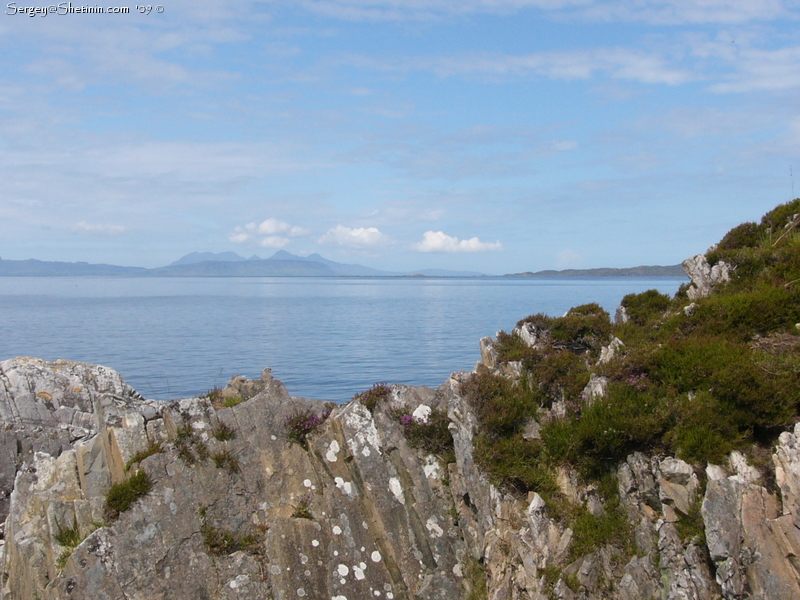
[[338, 597], [337, 530], [457, 571], [359, 573], [333, 450], [422, 413], [360, 421], [238, 581], [376, 556], [315, 543], [396, 489], [432, 468], [343, 570], [307, 483], [345, 486], [301, 592], [432, 526]]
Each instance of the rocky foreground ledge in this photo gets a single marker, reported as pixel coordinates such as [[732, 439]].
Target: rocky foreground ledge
[[238, 505]]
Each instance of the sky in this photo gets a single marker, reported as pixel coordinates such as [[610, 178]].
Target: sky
[[498, 136]]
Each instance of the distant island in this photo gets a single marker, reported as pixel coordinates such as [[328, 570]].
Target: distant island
[[281, 264], [641, 271]]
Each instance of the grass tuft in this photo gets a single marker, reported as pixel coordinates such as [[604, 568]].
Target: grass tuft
[[121, 496]]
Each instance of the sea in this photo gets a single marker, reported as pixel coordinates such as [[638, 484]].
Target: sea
[[325, 338]]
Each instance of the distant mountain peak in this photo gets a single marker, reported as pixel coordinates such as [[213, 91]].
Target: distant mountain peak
[[284, 255], [198, 257]]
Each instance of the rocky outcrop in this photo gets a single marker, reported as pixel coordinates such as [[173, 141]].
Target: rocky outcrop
[[245, 514], [239, 510], [704, 277]]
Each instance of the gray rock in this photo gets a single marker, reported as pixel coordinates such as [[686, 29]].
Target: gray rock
[[704, 277]]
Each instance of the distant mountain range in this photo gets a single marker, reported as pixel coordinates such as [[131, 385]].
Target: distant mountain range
[[280, 264]]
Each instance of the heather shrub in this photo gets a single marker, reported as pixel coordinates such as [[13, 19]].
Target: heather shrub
[[703, 431], [780, 216], [431, 435], [760, 311], [510, 347], [500, 404], [745, 393], [515, 464], [647, 306], [302, 423], [558, 373], [585, 327], [746, 235], [370, 398], [607, 429]]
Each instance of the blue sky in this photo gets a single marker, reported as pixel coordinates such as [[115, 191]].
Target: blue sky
[[491, 135]]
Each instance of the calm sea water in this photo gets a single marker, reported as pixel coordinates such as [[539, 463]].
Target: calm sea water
[[325, 338]]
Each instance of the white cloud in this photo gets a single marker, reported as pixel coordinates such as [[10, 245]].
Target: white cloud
[[270, 233], [357, 238], [757, 69], [239, 238], [615, 63], [438, 241], [274, 227], [98, 228]]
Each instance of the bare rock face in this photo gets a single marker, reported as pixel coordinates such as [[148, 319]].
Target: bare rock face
[[50, 407], [236, 510]]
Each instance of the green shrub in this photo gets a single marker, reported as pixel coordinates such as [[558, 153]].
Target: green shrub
[[590, 533], [780, 216], [515, 464], [647, 306], [432, 436], [740, 316], [122, 495], [540, 320], [745, 394], [475, 580], [510, 347], [746, 235], [585, 327], [608, 429], [558, 372], [501, 405]]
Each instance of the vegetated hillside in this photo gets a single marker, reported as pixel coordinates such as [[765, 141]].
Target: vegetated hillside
[[693, 379]]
